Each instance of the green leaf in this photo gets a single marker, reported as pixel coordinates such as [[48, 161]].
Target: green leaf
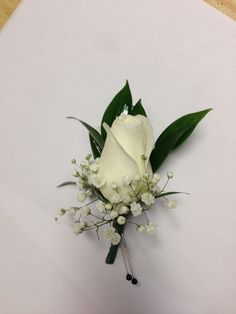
[[93, 132], [138, 109], [169, 193], [174, 135], [121, 103], [96, 149], [111, 256], [66, 183]]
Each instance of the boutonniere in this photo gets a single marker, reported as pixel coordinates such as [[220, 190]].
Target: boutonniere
[[118, 180]]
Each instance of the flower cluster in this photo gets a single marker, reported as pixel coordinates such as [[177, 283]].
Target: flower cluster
[[142, 193]]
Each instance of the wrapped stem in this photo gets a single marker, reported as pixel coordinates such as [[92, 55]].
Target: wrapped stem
[[111, 256]]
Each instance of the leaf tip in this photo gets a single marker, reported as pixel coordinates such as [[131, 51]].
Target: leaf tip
[[209, 109]]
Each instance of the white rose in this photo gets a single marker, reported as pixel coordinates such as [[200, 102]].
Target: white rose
[[128, 140]]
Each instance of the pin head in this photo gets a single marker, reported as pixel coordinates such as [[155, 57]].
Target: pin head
[[134, 281], [128, 277]]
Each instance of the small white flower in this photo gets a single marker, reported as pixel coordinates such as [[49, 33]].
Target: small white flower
[[98, 181], [153, 187], [123, 210], [101, 206], [171, 204], [82, 197], [88, 157], [115, 198], [136, 209], [83, 164], [83, 224], [170, 174], [140, 228], [115, 239], [113, 214], [147, 198], [75, 173], [72, 210], [108, 206], [156, 178], [94, 167], [150, 229], [79, 227], [85, 211], [121, 220], [109, 233], [61, 211]]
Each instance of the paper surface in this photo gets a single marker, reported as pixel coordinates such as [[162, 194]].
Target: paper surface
[[71, 60]]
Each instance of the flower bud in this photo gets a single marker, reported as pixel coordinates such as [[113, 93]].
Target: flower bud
[[61, 211], [140, 228], [113, 214], [121, 220]]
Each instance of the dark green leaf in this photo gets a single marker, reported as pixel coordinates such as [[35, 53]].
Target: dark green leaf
[[174, 135], [138, 109], [96, 150], [169, 193], [93, 132], [66, 183], [121, 103]]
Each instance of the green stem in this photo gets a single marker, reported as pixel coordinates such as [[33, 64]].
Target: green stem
[[111, 256]]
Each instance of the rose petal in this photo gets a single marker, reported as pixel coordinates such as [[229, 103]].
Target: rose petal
[[114, 164]]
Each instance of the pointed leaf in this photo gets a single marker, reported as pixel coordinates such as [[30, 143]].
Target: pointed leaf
[[138, 109], [93, 132], [169, 193], [66, 183], [96, 149], [121, 103], [174, 135]]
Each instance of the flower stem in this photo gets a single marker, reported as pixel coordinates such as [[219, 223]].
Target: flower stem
[[111, 256]]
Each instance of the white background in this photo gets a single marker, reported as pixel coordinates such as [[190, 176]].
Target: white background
[[60, 58]]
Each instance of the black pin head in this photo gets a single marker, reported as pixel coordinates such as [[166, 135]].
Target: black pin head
[[128, 277], [134, 281]]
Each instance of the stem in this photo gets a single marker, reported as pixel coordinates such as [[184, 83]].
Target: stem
[[95, 216], [93, 201], [131, 222], [164, 186], [99, 224], [111, 256], [146, 216]]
